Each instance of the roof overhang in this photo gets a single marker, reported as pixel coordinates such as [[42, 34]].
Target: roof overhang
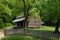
[[20, 19]]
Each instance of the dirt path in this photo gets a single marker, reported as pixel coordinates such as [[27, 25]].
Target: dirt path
[[1, 34]]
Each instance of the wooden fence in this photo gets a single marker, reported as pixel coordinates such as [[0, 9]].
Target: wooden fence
[[43, 35]]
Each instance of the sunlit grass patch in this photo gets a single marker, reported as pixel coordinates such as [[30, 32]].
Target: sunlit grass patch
[[19, 37], [44, 28]]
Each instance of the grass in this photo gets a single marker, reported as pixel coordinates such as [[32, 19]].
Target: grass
[[19, 37], [44, 28]]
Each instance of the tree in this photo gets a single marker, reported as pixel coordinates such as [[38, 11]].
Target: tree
[[9, 10], [51, 13], [27, 7], [4, 16]]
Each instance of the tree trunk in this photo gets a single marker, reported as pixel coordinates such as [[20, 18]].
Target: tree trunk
[[25, 14], [57, 26]]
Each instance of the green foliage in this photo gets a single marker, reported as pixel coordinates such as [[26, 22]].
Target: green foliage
[[51, 11], [19, 37], [9, 10], [5, 13], [31, 8], [34, 13]]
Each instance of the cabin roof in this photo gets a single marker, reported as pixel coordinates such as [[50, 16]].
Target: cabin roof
[[19, 19]]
